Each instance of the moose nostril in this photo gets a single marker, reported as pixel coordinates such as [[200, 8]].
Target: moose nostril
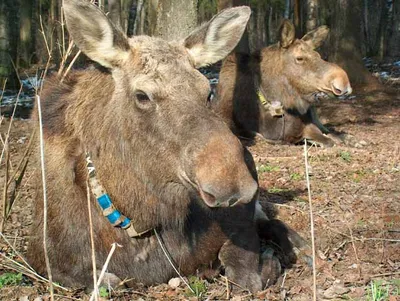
[[336, 90], [207, 197]]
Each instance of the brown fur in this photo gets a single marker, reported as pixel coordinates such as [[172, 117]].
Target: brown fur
[[290, 72], [159, 152]]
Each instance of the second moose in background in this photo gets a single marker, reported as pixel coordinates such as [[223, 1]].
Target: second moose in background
[[272, 91]]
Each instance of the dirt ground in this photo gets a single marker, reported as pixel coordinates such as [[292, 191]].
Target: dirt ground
[[356, 205]]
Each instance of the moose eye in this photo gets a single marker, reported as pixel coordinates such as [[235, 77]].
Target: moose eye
[[300, 59], [142, 97]]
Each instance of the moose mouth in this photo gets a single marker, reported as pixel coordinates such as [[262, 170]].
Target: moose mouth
[[323, 95]]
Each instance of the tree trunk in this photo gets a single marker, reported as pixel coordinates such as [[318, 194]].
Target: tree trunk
[[126, 8], [287, 9], [114, 8], [270, 34], [176, 18], [25, 33], [8, 42], [312, 14], [375, 26], [346, 40], [5, 64], [394, 38]]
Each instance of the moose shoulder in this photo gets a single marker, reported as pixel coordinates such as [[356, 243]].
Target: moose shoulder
[[166, 161], [271, 92]]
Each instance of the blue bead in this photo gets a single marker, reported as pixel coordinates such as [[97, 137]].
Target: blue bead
[[113, 217], [104, 201], [125, 222]]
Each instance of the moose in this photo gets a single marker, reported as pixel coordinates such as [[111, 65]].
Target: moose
[[271, 92], [163, 162]]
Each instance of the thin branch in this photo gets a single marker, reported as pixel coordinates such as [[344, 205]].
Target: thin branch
[[28, 272], [5, 195], [311, 222], [170, 260], [70, 65], [93, 254], [11, 122], [24, 157], [15, 251], [384, 275], [1, 96], [105, 266], [42, 162]]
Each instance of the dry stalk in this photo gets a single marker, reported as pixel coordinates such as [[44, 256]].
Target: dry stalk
[[70, 65], [5, 196], [105, 266], [62, 23], [38, 89], [65, 57], [93, 253], [355, 252], [44, 35], [42, 161], [234, 283], [228, 291], [170, 260], [28, 272], [384, 275], [2, 93], [311, 222], [15, 251], [11, 122], [25, 157]]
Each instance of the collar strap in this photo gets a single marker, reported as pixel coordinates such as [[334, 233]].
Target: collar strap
[[115, 217], [275, 107]]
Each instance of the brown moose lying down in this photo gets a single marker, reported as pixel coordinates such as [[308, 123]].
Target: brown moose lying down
[[272, 91], [165, 160]]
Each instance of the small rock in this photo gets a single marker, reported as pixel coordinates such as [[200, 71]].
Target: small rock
[[38, 299], [22, 140], [336, 290], [24, 298], [174, 282]]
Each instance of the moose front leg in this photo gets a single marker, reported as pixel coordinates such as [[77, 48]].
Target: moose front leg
[[312, 111], [240, 257], [312, 132]]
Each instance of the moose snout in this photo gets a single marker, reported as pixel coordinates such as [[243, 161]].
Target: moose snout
[[339, 81], [222, 176], [341, 87]]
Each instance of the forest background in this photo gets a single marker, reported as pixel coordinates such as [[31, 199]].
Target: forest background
[[33, 30]]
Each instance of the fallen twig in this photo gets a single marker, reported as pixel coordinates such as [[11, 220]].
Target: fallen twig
[[385, 275]]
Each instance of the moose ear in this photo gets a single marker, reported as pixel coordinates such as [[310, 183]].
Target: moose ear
[[316, 37], [286, 33], [214, 40], [94, 34]]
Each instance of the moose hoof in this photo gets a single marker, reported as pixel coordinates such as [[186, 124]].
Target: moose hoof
[[271, 268], [350, 140]]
